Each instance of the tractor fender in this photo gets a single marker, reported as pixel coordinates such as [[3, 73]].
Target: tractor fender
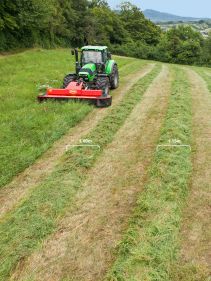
[[109, 66]]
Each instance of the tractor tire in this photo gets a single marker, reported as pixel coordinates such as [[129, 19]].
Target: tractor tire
[[102, 83], [104, 103], [67, 79], [114, 78]]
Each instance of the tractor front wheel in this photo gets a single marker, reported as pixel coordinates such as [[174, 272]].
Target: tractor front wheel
[[67, 79]]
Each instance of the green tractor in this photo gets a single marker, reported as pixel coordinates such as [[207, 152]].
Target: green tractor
[[96, 73], [96, 70]]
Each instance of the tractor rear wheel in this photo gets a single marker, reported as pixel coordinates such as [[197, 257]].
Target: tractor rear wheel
[[67, 79], [104, 102], [103, 84], [114, 79]]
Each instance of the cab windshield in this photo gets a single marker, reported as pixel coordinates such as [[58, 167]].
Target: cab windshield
[[91, 56]]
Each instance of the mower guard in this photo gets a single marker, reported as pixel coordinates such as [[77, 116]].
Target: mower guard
[[74, 91]]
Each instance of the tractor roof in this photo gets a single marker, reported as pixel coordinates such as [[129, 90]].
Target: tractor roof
[[94, 48]]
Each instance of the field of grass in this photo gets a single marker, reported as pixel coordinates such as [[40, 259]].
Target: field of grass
[[40, 211], [28, 128], [148, 246]]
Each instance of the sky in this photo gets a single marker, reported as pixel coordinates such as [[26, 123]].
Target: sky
[[191, 8]]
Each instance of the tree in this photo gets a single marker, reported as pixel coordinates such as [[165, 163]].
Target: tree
[[82, 21], [8, 12], [98, 3], [181, 45], [207, 51], [107, 26], [137, 25], [8, 25]]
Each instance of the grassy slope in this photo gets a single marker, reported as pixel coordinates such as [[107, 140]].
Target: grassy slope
[[205, 73], [193, 263], [151, 242], [28, 128], [36, 217]]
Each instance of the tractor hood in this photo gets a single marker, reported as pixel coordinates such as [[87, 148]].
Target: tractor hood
[[88, 70]]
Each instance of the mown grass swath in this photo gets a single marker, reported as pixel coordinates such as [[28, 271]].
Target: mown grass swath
[[27, 127], [205, 73], [36, 217], [151, 242]]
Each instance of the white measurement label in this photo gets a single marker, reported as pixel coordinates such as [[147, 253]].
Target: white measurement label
[[85, 141], [173, 143]]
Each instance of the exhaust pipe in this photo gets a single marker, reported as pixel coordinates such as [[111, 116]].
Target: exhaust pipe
[[77, 63]]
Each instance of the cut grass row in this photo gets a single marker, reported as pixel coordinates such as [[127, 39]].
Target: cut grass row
[[194, 263], [205, 73], [150, 244], [27, 128], [36, 217]]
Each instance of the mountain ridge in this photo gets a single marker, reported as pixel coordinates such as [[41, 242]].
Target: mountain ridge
[[157, 16]]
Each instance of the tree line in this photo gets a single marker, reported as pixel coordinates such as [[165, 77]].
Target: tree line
[[64, 23]]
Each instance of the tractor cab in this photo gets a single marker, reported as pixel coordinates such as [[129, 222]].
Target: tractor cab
[[91, 57], [95, 54]]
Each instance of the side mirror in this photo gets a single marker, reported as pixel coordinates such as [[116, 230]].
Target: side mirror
[[72, 52], [109, 55]]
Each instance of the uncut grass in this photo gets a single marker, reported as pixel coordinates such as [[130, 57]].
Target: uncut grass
[[151, 242], [36, 217], [28, 128]]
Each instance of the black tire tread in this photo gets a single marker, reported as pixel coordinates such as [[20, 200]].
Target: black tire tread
[[112, 78], [104, 103], [67, 79], [102, 83]]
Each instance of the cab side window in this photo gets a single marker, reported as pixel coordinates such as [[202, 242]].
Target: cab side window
[[105, 56]]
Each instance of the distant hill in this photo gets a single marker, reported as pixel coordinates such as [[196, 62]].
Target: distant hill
[[157, 16]]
